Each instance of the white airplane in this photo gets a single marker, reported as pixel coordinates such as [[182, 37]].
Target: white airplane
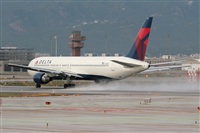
[[45, 69]]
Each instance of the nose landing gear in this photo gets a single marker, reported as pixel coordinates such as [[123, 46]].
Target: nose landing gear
[[37, 85]]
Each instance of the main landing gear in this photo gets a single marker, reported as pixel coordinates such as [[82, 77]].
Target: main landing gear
[[69, 85], [37, 85], [65, 86]]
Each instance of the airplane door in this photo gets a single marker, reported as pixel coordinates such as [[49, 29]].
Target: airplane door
[[69, 67], [112, 67]]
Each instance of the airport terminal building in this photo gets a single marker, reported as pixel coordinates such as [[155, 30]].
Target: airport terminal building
[[14, 55]]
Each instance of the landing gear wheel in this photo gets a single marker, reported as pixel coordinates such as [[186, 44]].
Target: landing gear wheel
[[69, 85], [65, 85], [38, 85]]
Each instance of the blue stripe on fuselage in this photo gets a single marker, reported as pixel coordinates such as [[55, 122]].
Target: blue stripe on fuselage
[[85, 77], [93, 77]]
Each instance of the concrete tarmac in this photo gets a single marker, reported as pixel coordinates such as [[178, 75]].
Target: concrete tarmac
[[149, 105]]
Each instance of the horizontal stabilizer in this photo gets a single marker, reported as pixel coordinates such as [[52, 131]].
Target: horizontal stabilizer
[[130, 65], [162, 68]]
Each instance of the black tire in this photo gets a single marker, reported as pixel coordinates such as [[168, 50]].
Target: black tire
[[38, 85], [69, 86], [65, 86]]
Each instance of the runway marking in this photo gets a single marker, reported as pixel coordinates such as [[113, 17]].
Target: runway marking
[[144, 110]]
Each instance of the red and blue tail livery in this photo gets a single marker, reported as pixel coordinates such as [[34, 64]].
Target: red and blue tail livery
[[139, 47]]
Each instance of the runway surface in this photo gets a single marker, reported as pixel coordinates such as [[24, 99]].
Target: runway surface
[[161, 84], [133, 105]]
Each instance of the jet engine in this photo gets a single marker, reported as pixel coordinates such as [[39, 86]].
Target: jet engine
[[41, 78]]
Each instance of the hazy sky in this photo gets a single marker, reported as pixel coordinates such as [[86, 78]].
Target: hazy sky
[[30, 23]]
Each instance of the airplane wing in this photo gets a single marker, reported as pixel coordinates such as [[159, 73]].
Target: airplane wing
[[162, 68], [130, 65], [166, 63], [57, 72], [166, 66]]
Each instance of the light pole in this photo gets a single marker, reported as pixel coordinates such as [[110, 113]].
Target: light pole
[[56, 44], [51, 38]]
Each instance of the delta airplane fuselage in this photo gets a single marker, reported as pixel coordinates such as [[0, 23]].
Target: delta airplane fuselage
[[90, 68]]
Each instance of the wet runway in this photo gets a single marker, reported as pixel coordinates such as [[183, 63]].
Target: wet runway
[[160, 84], [139, 105]]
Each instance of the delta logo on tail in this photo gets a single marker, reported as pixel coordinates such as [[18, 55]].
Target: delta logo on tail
[[139, 47]]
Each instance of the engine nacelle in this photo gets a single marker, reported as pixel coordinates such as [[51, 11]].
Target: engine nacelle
[[41, 78]]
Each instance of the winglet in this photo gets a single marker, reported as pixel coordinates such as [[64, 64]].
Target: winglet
[[138, 50]]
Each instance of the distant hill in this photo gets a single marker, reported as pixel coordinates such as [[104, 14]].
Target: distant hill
[[31, 24]]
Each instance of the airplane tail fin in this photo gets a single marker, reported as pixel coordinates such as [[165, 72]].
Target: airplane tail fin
[[138, 50]]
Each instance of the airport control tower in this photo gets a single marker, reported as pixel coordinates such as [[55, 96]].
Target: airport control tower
[[76, 42]]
